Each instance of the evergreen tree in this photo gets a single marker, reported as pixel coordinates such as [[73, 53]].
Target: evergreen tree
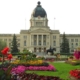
[[14, 48], [64, 47]]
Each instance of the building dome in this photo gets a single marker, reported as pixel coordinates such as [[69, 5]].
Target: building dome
[[39, 11]]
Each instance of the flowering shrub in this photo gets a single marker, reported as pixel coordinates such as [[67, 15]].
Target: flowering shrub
[[77, 54], [75, 73], [18, 70]]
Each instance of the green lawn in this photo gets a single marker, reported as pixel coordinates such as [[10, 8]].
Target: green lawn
[[62, 70]]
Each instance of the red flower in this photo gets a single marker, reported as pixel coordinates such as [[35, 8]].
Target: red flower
[[75, 73], [5, 50], [9, 56]]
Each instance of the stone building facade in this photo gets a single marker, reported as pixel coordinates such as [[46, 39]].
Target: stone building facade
[[40, 37]]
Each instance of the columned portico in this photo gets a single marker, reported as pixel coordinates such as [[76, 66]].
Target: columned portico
[[39, 42]]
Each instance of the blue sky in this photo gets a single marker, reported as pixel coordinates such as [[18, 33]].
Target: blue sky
[[14, 12]]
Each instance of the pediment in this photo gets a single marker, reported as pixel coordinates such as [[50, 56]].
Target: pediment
[[40, 31]]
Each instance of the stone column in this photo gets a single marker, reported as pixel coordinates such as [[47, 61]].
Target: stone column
[[37, 40], [42, 41], [31, 40]]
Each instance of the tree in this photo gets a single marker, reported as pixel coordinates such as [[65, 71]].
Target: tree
[[64, 47], [14, 47], [2, 45]]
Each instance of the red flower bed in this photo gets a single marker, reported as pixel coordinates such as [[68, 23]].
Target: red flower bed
[[75, 73]]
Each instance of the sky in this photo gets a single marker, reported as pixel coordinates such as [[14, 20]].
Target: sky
[[15, 15]]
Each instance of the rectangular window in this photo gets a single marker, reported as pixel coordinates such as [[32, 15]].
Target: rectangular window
[[72, 40], [34, 49], [35, 42], [72, 44], [18, 39], [25, 37], [40, 42], [54, 37], [24, 43], [76, 44], [76, 40], [44, 36], [35, 36], [54, 43], [9, 39], [40, 36], [44, 42]]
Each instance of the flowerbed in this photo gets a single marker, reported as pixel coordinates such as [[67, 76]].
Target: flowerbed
[[29, 76], [19, 69], [41, 68], [29, 62], [73, 62], [75, 74]]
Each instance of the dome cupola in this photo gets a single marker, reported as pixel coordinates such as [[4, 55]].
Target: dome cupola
[[39, 11]]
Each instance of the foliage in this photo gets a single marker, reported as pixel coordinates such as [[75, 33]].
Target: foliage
[[14, 47], [5, 72], [27, 55], [64, 47]]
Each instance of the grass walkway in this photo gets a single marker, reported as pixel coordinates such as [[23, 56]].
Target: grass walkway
[[62, 70]]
